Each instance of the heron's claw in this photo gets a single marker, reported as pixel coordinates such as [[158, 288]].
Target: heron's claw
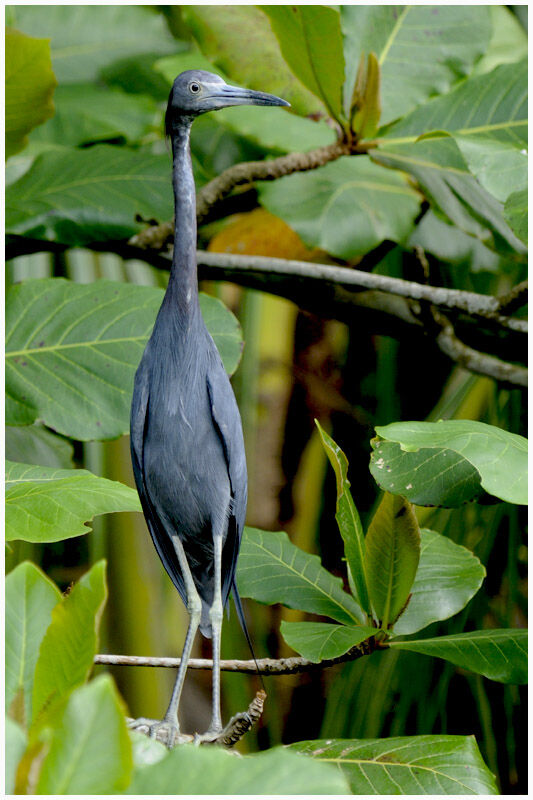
[[164, 731]]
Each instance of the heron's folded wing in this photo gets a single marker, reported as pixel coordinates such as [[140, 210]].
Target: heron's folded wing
[[161, 539], [227, 422]]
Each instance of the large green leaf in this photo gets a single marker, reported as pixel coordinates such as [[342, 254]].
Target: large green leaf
[[70, 643], [448, 576], [443, 175], [431, 476], [500, 655], [320, 640], [406, 764], [493, 106], [90, 749], [346, 207], [273, 570], [515, 212], [422, 50], [88, 113], [29, 87], [44, 504], [86, 38], [500, 457], [81, 196], [239, 41], [487, 115], [273, 128], [391, 557], [189, 770], [348, 520], [35, 444], [30, 598], [15, 745], [72, 351], [311, 43]]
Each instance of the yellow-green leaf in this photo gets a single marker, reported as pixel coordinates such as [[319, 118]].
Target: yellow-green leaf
[[391, 558], [30, 85]]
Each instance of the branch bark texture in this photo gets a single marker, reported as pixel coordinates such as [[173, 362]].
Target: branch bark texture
[[265, 666]]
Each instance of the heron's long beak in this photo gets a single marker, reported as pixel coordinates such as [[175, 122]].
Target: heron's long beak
[[235, 96]]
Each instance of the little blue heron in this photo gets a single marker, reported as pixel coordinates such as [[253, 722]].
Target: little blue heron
[[186, 436]]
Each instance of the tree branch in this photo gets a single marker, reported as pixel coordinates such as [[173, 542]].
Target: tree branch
[[158, 236], [266, 666]]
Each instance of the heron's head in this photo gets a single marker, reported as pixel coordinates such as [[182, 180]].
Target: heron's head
[[196, 91]]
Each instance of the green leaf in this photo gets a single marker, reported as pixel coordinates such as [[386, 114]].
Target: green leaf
[[15, 742], [88, 113], [239, 41], [272, 127], [450, 243], [82, 196], [515, 212], [29, 87], [189, 770], [346, 207], [447, 578], [391, 558], [348, 520], [500, 457], [443, 175], [69, 646], [35, 444], [318, 641], [30, 598], [430, 476], [508, 42], [72, 351], [500, 655], [90, 749], [146, 751], [406, 764], [491, 134], [273, 570], [310, 40], [422, 50], [87, 38], [44, 504]]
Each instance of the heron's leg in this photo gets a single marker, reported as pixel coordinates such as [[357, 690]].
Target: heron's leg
[[194, 607], [216, 614]]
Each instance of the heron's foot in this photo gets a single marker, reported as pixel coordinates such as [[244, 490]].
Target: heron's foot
[[162, 730]]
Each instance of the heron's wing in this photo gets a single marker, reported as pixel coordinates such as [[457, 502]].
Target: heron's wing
[[227, 423], [161, 539]]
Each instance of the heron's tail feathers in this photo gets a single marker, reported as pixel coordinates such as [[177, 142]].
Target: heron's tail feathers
[[242, 619]]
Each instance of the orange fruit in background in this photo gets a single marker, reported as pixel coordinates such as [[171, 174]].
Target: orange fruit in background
[[260, 233]]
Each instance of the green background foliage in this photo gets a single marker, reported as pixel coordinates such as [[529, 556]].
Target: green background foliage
[[424, 584]]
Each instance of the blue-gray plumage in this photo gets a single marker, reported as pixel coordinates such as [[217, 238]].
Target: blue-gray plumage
[[186, 436]]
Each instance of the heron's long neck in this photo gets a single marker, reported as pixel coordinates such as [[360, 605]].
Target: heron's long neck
[[183, 282]]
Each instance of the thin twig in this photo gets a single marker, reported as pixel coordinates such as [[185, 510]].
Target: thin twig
[[265, 666]]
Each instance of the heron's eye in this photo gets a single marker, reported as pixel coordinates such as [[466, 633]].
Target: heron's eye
[[194, 88]]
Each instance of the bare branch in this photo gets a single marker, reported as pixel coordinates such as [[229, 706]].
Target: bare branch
[[474, 360], [158, 236], [266, 666], [236, 728], [514, 299], [469, 302]]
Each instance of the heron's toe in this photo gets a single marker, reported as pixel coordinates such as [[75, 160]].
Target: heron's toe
[[168, 733]]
